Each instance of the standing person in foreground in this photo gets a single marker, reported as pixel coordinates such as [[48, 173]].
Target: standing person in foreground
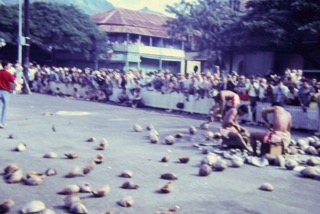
[[231, 129], [7, 85], [281, 127]]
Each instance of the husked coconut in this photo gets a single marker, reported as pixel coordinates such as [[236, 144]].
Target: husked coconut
[[15, 177], [205, 126], [73, 155], [167, 188], [266, 187], [309, 172], [192, 130], [6, 205], [313, 161], [154, 138], [21, 147], [291, 164], [70, 189], [129, 185], [169, 176], [237, 162], [311, 151], [78, 208], [126, 174], [33, 181], [85, 187], [184, 159], [137, 128], [33, 207], [105, 190], [205, 170], [126, 202], [209, 135], [220, 165], [169, 140], [50, 155], [165, 159], [10, 168], [75, 172], [68, 200], [209, 159], [302, 142]]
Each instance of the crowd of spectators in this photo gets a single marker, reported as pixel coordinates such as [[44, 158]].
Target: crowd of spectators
[[292, 88]]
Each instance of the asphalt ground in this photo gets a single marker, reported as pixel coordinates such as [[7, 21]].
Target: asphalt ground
[[62, 125]]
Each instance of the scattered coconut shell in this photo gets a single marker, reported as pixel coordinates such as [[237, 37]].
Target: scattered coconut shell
[[10, 168], [266, 187], [279, 161], [204, 126], [50, 155], [21, 147], [99, 159], [149, 127], [302, 142], [51, 172], [165, 159], [75, 172], [154, 138], [70, 199], [220, 165], [88, 168], [309, 172], [70, 189], [126, 174], [184, 159], [237, 162], [126, 202], [313, 161], [169, 140], [73, 155], [137, 128], [33, 181], [129, 185], [192, 130], [179, 135], [102, 145], [205, 170], [36, 174], [105, 190], [85, 187], [6, 205], [91, 139], [209, 159], [291, 164], [167, 188], [78, 208], [169, 176], [33, 207], [312, 151], [15, 177]]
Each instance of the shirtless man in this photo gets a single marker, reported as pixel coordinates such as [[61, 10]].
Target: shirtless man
[[281, 127], [232, 131], [224, 100]]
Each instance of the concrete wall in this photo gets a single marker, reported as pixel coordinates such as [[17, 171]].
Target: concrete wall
[[258, 63]]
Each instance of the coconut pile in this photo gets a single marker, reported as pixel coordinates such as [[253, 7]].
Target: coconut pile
[[302, 155]]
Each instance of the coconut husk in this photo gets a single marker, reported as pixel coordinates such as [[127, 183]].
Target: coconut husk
[[10, 168], [73, 155], [70, 199], [105, 190], [154, 138], [51, 155], [167, 188], [312, 151], [6, 205], [266, 187], [137, 128], [204, 126], [33, 181], [237, 162], [179, 135], [33, 207], [15, 177], [78, 208], [126, 174], [220, 165], [165, 159], [129, 185], [99, 159], [291, 164], [91, 139], [205, 170], [309, 172], [192, 130], [75, 172], [184, 159], [169, 176], [102, 145], [70, 189], [50, 172], [313, 161], [21, 147], [85, 187], [126, 202], [169, 140]]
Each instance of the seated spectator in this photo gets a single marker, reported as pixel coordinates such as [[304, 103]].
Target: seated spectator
[[136, 99], [123, 96], [75, 93]]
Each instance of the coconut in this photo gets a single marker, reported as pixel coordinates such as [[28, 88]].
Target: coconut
[[33, 181], [15, 177], [266, 187], [279, 161], [6, 205], [70, 189], [312, 151], [50, 155], [311, 140], [210, 159], [88, 168], [220, 165], [137, 128], [290, 164], [105, 190], [85, 187], [75, 172], [301, 152], [184, 159], [302, 142], [99, 158], [36, 174], [309, 172], [313, 161], [11, 136], [154, 138], [293, 142], [205, 170], [205, 126], [237, 162], [192, 130], [179, 135], [21, 147], [91, 139], [68, 200], [48, 211], [167, 188], [129, 185], [169, 176], [33, 207], [102, 145], [293, 150], [153, 132], [73, 155], [51, 172], [165, 159], [209, 135], [126, 202], [78, 208], [149, 127], [169, 140], [126, 174], [10, 168]]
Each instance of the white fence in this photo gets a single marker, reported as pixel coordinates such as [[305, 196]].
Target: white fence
[[305, 120]]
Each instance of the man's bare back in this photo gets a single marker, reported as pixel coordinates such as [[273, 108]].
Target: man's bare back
[[281, 118]]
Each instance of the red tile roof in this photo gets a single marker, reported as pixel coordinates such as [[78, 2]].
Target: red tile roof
[[121, 20]]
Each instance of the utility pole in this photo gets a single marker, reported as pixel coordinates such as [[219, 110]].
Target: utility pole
[[26, 49], [20, 33]]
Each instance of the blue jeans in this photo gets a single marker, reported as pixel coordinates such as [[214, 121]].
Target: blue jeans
[[4, 98]]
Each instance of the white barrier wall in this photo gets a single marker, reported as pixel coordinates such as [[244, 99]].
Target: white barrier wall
[[305, 120]]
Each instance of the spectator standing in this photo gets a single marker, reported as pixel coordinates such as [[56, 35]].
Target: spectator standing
[[280, 92], [293, 97], [305, 93]]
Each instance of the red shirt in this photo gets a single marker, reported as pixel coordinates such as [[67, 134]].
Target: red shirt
[[5, 79]]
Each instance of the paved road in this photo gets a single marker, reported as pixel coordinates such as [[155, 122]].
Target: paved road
[[234, 190]]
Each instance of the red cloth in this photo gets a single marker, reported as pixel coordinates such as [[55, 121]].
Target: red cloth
[[5, 79]]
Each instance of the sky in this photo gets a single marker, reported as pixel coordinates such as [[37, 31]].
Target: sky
[[156, 5]]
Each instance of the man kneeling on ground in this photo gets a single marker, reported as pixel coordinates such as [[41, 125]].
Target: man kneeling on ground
[[232, 131], [281, 127]]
